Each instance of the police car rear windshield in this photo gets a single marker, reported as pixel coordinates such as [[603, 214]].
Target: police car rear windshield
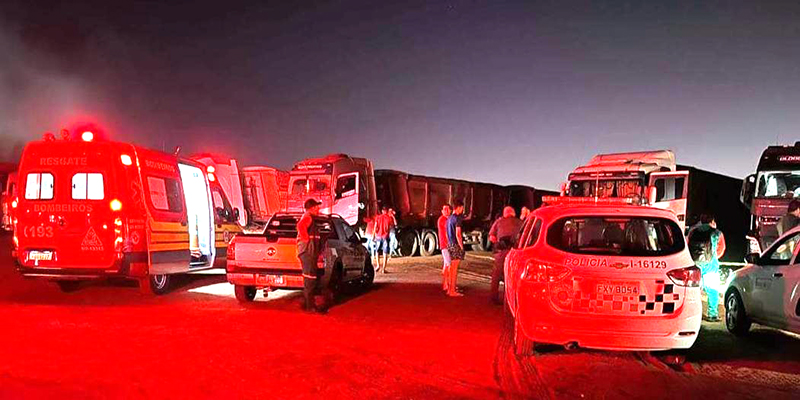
[[619, 236]]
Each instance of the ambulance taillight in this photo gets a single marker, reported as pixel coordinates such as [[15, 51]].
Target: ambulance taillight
[[87, 136], [231, 250]]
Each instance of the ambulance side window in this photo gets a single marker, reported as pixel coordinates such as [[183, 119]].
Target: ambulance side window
[[165, 194], [88, 186], [39, 186]]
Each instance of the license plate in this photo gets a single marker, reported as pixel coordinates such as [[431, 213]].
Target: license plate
[[270, 280], [40, 255], [615, 288]]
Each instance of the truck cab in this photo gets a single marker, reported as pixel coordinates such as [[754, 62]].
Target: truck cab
[[345, 185], [768, 192], [648, 178]]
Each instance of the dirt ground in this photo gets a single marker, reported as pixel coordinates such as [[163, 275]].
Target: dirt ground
[[402, 339]]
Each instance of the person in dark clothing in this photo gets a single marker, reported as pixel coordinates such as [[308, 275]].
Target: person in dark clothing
[[308, 250], [791, 219], [502, 235]]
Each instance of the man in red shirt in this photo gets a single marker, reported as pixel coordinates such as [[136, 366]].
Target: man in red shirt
[[383, 226], [442, 228], [308, 248]]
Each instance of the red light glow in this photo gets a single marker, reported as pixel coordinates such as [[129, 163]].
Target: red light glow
[[87, 136], [115, 205]]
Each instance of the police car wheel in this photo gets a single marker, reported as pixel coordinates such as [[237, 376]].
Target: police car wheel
[[735, 316], [244, 294], [68, 286], [369, 274]]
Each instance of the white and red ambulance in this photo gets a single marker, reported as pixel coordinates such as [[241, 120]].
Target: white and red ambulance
[[90, 208], [602, 274]]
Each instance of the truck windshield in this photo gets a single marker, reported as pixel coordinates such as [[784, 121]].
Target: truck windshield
[[779, 184], [311, 185], [621, 236], [606, 188]]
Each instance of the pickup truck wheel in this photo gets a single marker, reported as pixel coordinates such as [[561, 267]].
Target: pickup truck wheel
[[155, 284], [244, 294], [428, 245], [369, 274], [68, 286], [334, 285], [735, 316], [409, 244]]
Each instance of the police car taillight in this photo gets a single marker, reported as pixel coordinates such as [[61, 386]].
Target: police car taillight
[[536, 271], [688, 277]]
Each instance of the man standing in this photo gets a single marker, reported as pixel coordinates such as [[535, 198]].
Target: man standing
[[502, 235], [707, 246], [383, 226], [455, 246], [393, 244], [308, 249], [441, 224], [791, 219], [523, 213]]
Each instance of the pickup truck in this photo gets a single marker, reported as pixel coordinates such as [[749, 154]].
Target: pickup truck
[[269, 260]]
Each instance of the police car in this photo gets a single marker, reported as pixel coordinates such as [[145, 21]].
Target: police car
[[604, 275], [767, 290]]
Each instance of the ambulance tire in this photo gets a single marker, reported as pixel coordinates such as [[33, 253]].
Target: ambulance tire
[[68, 286], [155, 284], [736, 320], [244, 294], [428, 244], [523, 346]]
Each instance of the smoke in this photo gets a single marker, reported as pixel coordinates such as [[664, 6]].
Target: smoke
[[38, 91]]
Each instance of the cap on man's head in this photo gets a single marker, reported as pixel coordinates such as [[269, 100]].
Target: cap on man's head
[[311, 203]]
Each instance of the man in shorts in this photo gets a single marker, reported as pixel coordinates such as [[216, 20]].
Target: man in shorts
[[383, 226], [442, 228], [455, 246]]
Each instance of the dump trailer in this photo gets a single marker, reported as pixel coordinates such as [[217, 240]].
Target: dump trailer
[[768, 192], [418, 202], [520, 196], [266, 192]]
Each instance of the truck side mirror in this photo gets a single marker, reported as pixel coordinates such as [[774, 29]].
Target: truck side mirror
[[564, 186], [652, 194], [748, 186]]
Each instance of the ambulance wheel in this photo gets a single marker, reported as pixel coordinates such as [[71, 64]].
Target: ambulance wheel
[[428, 244], [736, 319], [523, 346], [155, 284], [244, 294], [68, 286]]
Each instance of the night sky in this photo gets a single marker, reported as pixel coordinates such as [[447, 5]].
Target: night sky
[[506, 92]]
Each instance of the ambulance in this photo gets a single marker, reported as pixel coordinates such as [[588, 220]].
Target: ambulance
[[602, 274], [90, 208]]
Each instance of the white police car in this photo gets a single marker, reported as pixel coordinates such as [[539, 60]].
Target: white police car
[[602, 275], [767, 290]]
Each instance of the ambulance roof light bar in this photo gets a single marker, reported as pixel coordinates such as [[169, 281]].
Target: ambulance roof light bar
[[556, 200]]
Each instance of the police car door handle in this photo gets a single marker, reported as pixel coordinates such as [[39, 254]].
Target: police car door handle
[[778, 275]]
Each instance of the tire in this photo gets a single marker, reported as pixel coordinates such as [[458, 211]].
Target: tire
[[736, 319], [409, 244], [369, 274], [68, 286], [523, 346], [334, 288], [481, 245], [429, 244], [245, 294], [155, 284]]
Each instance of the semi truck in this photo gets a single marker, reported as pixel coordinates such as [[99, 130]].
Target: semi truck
[[768, 192], [653, 178]]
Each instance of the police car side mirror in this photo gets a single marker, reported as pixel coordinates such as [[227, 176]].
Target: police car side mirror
[[753, 258]]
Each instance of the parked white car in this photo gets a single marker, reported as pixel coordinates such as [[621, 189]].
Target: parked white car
[[767, 290]]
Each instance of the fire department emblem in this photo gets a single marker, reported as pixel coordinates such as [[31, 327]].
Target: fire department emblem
[[91, 242]]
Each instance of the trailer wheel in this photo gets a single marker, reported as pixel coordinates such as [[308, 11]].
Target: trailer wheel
[[244, 294], [155, 284], [409, 244], [429, 244], [68, 286]]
